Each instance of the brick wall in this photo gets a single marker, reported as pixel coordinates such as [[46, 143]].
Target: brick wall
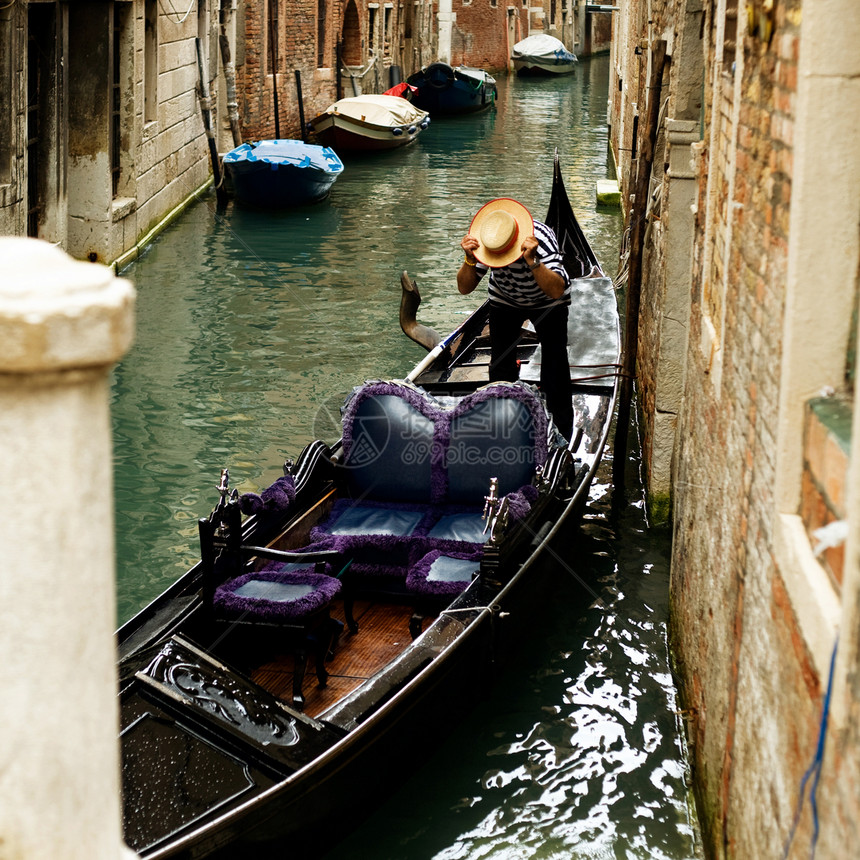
[[480, 34], [297, 50], [348, 21], [731, 614], [752, 683]]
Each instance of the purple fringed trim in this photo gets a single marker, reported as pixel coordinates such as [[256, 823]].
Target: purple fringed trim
[[521, 391], [415, 397], [277, 497], [417, 581], [260, 609], [520, 502]]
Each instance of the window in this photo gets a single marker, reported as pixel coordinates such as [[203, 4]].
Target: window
[[321, 19], [409, 17], [371, 28], [6, 112], [150, 61], [386, 29], [272, 33]]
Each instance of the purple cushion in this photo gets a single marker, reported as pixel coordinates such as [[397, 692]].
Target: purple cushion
[[465, 527], [279, 594], [276, 497], [440, 573]]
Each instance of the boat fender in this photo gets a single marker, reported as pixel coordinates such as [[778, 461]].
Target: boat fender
[[425, 123], [397, 131], [412, 129]]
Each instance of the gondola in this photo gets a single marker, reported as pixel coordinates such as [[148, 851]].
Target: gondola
[[398, 564]]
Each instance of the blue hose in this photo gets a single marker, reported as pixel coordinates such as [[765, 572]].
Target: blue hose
[[814, 770]]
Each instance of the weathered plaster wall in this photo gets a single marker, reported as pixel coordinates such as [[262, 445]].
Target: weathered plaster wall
[[163, 154], [172, 156], [13, 99]]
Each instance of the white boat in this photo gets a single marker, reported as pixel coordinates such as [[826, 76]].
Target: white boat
[[542, 55], [369, 122]]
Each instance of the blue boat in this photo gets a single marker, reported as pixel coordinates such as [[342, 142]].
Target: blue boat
[[443, 89], [281, 173]]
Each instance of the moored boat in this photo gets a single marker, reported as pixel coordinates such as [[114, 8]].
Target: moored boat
[[444, 89], [281, 173], [401, 558], [542, 54], [369, 122]]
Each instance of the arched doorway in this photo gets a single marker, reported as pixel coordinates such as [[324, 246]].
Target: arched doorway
[[351, 36]]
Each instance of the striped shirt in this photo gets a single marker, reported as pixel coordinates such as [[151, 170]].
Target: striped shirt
[[514, 285]]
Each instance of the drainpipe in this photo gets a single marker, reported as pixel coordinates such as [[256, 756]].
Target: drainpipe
[[63, 325]]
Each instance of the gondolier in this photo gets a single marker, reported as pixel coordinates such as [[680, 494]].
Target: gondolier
[[527, 281]]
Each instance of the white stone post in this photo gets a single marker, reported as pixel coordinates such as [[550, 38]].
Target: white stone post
[[63, 324], [446, 18]]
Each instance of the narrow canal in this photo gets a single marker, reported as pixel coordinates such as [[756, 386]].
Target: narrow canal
[[251, 329]]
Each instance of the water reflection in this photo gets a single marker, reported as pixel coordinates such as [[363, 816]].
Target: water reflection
[[576, 753]]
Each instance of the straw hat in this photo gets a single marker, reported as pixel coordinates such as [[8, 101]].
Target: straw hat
[[500, 227]]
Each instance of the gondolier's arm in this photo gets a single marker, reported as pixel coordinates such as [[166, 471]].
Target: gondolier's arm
[[549, 281], [467, 276]]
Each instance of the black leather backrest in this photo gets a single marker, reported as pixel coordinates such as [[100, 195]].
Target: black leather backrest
[[494, 438], [389, 455]]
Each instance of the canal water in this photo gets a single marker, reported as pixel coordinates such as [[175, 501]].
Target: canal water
[[252, 328]]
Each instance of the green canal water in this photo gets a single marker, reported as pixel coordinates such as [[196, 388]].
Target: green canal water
[[252, 328]]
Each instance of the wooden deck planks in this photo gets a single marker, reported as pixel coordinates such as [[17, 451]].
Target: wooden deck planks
[[383, 632]]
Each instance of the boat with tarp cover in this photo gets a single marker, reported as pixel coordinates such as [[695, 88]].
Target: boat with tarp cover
[[400, 561], [542, 54], [369, 123], [443, 89], [281, 173]]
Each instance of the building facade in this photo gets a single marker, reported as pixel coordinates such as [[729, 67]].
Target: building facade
[[103, 129], [734, 127], [113, 112]]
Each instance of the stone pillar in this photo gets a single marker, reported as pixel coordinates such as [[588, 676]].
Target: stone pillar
[[63, 324], [446, 19], [677, 219]]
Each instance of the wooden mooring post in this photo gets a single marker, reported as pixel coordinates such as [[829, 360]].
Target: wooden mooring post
[[63, 325], [634, 277]]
